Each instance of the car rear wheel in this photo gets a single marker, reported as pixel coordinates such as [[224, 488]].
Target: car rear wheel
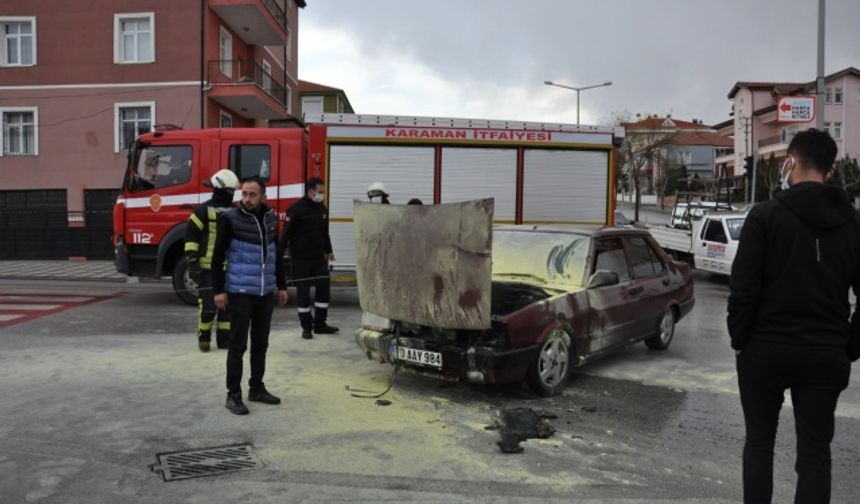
[[665, 332], [549, 372], [184, 286]]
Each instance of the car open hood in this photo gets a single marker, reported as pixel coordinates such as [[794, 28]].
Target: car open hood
[[426, 264]]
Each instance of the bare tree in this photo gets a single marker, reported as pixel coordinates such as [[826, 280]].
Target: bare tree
[[640, 149], [767, 172]]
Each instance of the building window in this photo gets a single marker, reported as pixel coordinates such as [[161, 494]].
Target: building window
[[288, 98], [225, 52], [19, 126], [226, 120], [289, 45], [837, 95], [828, 96], [134, 38], [132, 120], [267, 77], [788, 133], [18, 41], [837, 130], [684, 157]]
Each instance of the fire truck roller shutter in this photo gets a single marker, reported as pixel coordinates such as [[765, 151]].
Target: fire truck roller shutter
[[565, 186], [470, 173], [406, 172]]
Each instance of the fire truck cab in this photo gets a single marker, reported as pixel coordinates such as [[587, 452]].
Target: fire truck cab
[[163, 184]]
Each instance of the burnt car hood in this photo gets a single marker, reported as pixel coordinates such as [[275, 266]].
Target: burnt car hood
[[426, 264]]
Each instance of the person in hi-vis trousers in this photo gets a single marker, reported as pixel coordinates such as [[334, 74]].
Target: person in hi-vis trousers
[[199, 244]]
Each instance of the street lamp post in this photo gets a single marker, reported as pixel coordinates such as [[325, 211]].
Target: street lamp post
[[577, 89]]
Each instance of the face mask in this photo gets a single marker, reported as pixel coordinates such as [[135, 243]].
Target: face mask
[[318, 197], [785, 171]]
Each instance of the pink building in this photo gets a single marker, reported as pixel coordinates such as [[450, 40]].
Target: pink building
[[756, 130], [78, 81]]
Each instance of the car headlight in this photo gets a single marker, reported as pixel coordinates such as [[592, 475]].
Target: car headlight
[[371, 321]]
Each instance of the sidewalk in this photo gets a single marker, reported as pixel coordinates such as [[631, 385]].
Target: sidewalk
[[61, 270]]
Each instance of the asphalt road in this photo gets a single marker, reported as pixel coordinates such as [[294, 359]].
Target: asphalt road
[[90, 393]]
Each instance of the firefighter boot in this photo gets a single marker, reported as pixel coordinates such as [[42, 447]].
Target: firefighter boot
[[320, 327], [307, 321], [203, 341]]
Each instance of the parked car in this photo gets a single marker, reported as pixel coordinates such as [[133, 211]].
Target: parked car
[[559, 298], [621, 220]]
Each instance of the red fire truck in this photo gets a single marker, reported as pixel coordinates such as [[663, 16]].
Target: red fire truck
[[538, 174]]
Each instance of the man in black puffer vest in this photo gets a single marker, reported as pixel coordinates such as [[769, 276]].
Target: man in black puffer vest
[[788, 317], [247, 238]]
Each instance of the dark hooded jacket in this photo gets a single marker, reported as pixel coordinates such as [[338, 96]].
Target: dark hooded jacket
[[798, 256]]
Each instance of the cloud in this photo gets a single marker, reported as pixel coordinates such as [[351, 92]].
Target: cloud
[[489, 58]]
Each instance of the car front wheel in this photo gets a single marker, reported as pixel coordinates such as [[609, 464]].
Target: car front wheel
[[184, 286], [665, 332], [549, 372]]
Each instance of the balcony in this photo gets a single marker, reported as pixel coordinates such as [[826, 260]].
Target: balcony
[[247, 89], [257, 22], [773, 144]]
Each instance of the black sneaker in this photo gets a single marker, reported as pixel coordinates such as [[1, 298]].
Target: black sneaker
[[235, 405], [325, 329], [262, 395], [307, 334]]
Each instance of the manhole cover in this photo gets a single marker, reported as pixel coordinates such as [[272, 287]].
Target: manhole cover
[[206, 462]]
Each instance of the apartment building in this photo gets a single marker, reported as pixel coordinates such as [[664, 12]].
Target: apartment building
[[80, 79]]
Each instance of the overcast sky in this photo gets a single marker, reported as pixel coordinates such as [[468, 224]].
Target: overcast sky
[[489, 58]]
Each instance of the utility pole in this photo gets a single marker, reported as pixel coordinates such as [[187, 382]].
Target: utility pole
[[819, 80]]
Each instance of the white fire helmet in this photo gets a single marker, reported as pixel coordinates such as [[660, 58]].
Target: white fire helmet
[[376, 189], [225, 179]]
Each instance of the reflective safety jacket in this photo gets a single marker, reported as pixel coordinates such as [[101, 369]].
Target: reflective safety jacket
[[201, 233]]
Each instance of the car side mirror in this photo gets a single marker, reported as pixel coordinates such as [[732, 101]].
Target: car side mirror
[[602, 278]]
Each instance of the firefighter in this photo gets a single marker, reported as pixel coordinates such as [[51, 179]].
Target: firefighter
[[199, 245], [307, 238], [377, 190]]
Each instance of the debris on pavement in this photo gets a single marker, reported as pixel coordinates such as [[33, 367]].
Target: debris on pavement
[[520, 424]]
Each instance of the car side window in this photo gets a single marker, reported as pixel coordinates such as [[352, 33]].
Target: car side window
[[715, 232], [645, 264], [609, 256], [659, 267], [248, 161]]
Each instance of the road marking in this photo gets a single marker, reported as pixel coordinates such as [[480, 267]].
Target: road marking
[[22, 306], [19, 307]]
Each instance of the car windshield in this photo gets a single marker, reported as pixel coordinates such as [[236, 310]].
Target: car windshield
[[621, 219], [735, 226], [540, 256]]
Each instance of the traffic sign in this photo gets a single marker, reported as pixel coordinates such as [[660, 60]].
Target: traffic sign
[[795, 109]]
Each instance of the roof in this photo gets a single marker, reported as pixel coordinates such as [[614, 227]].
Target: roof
[[702, 138], [790, 87], [312, 87], [726, 123], [573, 229], [658, 123]]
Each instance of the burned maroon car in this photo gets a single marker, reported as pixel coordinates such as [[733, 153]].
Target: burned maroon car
[[559, 298], [447, 295]]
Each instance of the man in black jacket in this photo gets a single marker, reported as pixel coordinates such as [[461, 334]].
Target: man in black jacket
[[306, 235], [788, 316]]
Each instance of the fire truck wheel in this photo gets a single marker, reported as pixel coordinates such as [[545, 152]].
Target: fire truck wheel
[[184, 286]]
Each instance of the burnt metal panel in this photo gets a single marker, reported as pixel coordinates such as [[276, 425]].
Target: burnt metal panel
[[426, 264]]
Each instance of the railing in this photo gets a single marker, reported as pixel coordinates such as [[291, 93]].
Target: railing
[[246, 72], [764, 142], [276, 11]]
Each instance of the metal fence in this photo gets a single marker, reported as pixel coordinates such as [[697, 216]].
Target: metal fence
[[246, 72]]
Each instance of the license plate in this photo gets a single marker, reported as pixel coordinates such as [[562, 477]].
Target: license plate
[[420, 357]]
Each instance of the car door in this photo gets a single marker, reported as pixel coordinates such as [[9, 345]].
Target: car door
[[610, 319], [651, 282], [711, 250]]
